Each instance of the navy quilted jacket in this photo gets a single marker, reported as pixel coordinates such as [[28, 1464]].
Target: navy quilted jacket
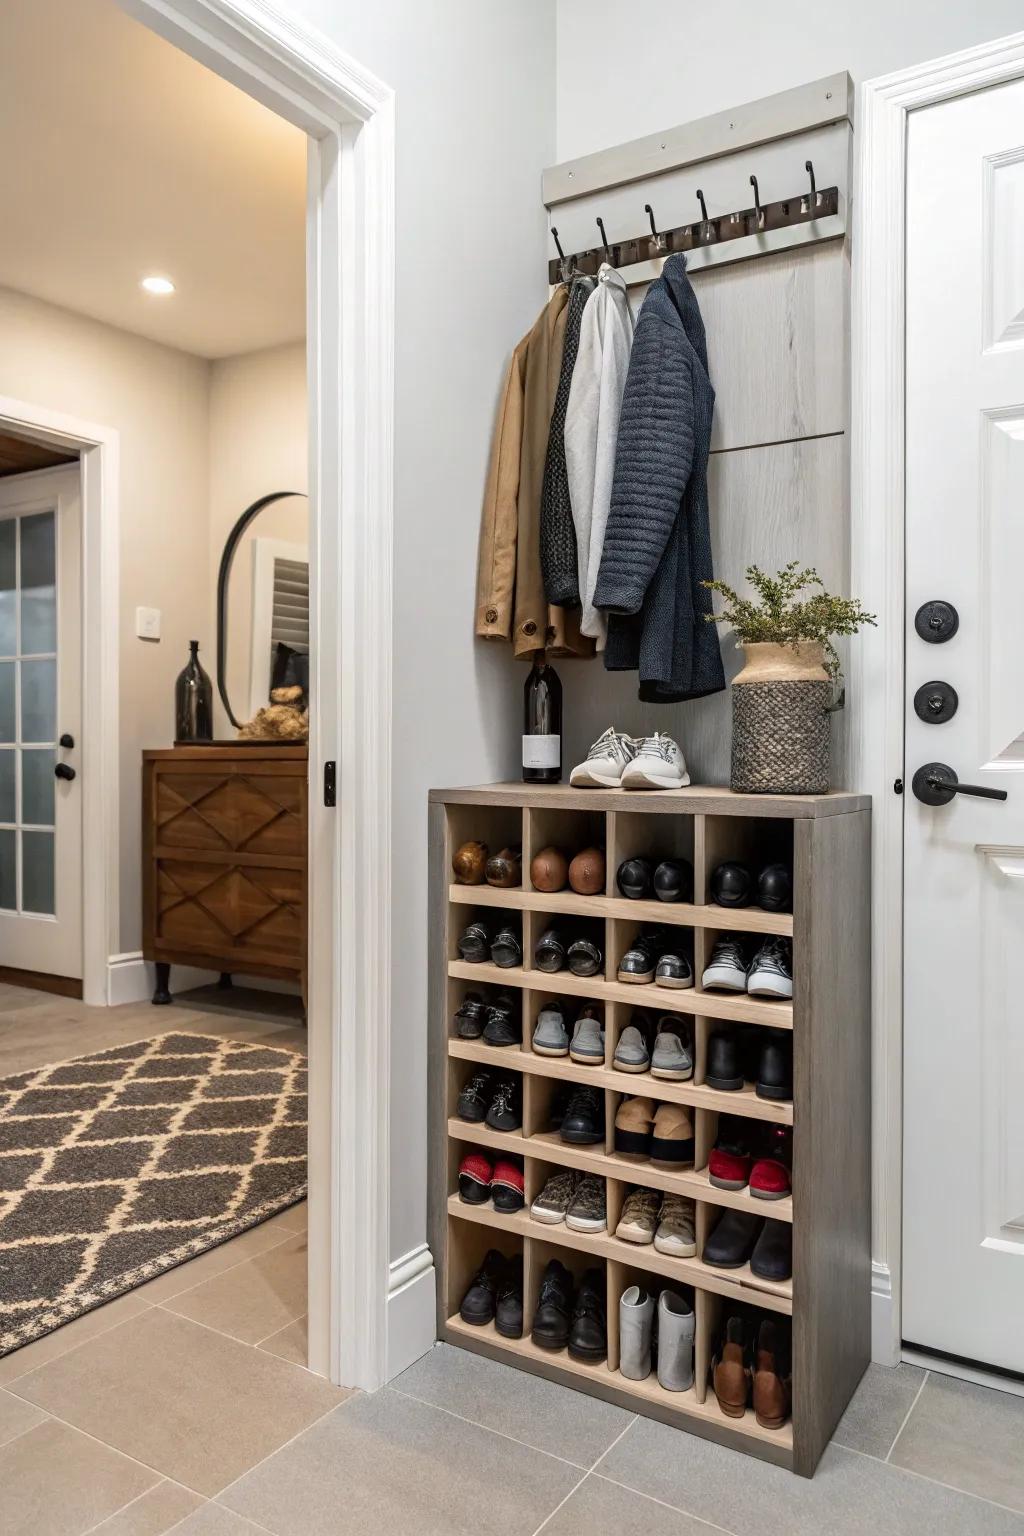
[[657, 546]]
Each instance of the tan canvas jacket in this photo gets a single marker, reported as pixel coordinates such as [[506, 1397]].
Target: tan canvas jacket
[[510, 601]]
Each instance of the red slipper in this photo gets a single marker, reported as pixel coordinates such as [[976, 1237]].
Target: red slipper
[[475, 1175], [507, 1185]]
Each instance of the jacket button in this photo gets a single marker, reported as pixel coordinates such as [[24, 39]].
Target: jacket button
[[529, 628], [491, 615]]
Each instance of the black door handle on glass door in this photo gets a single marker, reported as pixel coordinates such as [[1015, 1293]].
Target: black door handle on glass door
[[64, 771], [937, 783]]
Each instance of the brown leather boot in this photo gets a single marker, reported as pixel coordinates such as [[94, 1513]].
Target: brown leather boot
[[773, 1386], [731, 1369]]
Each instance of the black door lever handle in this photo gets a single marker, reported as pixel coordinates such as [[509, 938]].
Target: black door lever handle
[[937, 783]]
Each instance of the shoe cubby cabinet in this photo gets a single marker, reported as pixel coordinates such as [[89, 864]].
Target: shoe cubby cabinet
[[825, 840]]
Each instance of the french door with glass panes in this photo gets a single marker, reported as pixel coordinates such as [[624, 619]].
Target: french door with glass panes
[[40, 723]]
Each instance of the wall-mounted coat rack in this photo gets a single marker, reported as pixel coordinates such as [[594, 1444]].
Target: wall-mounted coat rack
[[805, 208], [786, 144]]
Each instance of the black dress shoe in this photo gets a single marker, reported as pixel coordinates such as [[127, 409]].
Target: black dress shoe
[[503, 1026], [775, 888], [475, 1098], [635, 879], [772, 1258], [479, 1302], [559, 1104], [549, 951], [588, 1332], [732, 885], [506, 1108], [470, 1017], [640, 961], [508, 1310], [584, 957], [583, 1121], [775, 1069], [475, 943], [507, 946], [553, 1317], [673, 880], [731, 1243], [723, 1070]]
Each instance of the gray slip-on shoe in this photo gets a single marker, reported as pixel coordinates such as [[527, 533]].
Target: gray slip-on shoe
[[672, 1057], [550, 1037], [631, 1053], [588, 1039]]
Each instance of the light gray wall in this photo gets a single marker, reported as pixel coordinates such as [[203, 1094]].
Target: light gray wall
[[475, 126], [619, 79]]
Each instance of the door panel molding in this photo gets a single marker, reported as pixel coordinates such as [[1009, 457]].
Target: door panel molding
[[877, 533]]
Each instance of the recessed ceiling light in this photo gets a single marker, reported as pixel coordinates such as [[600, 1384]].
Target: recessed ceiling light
[[161, 285]]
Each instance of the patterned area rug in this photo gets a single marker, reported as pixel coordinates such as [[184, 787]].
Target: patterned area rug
[[117, 1166]]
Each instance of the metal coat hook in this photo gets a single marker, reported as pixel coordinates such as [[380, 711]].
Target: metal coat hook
[[658, 241], [809, 168], [558, 244], [757, 199], [703, 205], [604, 242]]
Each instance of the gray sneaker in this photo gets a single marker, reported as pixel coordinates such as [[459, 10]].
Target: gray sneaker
[[631, 1053], [556, 1197], [588, 1039], [672, 1057], [588, 1211], [550, 1037]]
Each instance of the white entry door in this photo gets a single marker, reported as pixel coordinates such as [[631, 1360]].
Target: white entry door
[[963, 1224], [40, 723]]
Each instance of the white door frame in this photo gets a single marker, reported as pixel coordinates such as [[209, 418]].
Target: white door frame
[[878, 530], [349, 117]]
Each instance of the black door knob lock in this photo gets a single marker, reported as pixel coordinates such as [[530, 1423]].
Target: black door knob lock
[[64, 771], [936, 702], [937, 783], [67, 741]]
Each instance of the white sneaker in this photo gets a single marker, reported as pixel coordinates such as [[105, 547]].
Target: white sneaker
[[611, 753], [657, 763]]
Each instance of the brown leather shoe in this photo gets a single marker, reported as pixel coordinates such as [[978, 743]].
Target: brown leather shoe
[[773, 1385], [731, 1369], [672, 1136]]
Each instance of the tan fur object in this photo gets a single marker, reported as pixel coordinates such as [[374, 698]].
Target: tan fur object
[[281, 720]]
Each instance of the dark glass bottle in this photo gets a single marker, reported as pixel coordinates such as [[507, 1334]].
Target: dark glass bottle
[[193, 701], [542, 724]]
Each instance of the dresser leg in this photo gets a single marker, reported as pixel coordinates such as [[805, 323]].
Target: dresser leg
[[162, 994], [224, 980]]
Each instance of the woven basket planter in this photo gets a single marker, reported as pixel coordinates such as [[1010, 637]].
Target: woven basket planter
[[781, 725]]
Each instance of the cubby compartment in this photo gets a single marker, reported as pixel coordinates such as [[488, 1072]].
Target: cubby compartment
[[580, 1266], [754, 842], [746, 1141], [569, 832], [551, 937], [495, 827], [491, 920], [473, 1085], [632, 1331], [559, 1043], [470, 1004], [676, 939], [821, 1036], [636, 835]]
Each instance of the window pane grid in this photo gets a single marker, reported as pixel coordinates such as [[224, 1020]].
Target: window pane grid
[[28, 713]]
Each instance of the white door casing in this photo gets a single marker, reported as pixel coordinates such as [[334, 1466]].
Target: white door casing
[[40, 701], [963, 1223]]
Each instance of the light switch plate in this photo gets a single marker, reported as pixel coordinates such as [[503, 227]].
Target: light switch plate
[[147, 623]]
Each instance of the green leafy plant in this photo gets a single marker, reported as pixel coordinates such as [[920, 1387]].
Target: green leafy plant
[[782, 616]]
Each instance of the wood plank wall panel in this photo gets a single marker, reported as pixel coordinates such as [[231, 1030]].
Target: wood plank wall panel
[[778, 345]]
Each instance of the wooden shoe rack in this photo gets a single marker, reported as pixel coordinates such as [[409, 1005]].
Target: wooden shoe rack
[[827, 840]]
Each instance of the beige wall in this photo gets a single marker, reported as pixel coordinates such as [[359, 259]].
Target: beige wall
[[258, 437], [199, 441], [157, 400]]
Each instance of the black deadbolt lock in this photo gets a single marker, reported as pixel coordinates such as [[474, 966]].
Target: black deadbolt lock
[[935, 703], [936, 621]]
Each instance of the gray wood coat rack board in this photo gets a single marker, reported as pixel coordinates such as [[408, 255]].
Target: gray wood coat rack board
[[779, 356], [828, 1021]]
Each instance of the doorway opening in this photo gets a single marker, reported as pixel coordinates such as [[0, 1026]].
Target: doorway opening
[[343, 118]]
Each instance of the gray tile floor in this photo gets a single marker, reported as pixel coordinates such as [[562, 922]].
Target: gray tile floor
[[184, 1407]]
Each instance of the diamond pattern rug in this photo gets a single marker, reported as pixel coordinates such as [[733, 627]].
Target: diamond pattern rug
[[117, 1166]]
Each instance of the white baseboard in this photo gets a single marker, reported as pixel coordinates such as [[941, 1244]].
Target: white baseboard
[[412, 1282], [885, 1349], [130, 979], [974, 1373]]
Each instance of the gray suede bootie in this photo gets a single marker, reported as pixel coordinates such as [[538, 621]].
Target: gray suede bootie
[[676, 1329], [636, 1320]]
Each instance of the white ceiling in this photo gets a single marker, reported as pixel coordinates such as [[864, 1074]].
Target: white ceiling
[[121, 157]]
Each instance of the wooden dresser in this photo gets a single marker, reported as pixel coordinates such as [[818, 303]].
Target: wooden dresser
[[224, 860]]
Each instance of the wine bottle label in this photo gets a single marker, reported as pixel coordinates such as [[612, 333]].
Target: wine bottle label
[[542, 751]]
